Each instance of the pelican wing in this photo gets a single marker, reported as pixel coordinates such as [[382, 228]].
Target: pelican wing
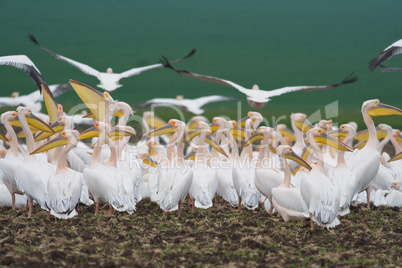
[[59, 89], [206, 77], [276, 92], [215, 98], [8, 101], [136, 71], [160, 102], [82, 67], [389, 69], [392, 50], [23, 63]]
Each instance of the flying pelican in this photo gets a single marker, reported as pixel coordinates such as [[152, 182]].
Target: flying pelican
[[388, 52], [109, 81], [257, 98], [23, 63], [64, 186], [288, 201], [189, 105], [34, 99]]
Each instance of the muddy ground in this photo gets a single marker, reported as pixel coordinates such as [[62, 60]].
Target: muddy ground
[[222, 238]]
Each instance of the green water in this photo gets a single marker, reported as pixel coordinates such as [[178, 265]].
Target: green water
[[271, 43]]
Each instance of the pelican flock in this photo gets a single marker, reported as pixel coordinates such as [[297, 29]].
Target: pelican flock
[[309, 172]]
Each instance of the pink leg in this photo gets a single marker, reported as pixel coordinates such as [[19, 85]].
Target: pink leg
[[30, 208], [179, 213], [96, 209], [13, 201]]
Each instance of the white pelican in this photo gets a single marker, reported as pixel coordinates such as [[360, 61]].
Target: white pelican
[[33, 172], [388, 52], [64, 186], [174, 177], [265, 179], [34, 99], [224, 174], [23, 63], [366, 161], [300, 124], [288, 201], [189, 105], [109, 81], [257, 98], [244, 173], [9, 163], [320, 192]]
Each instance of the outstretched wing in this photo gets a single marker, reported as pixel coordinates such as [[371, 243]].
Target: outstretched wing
[[83, 67], [392, 50], [136, 71], [207, 78], [351, 78], [23, 63], [59, 89], [159, 102], [389, 69], [215, 98]]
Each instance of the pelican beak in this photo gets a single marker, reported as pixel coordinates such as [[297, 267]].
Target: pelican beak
[[288, 133], [306, 151], [93, 99], [395, 157], [211, 141], [50, 103], [56, 142], [304, 125], [213, 127], [148, 161], [191, 155], [383, 110], [293, 156], [37, 123], [56, 126], [333, 142], [364, 135], [257, 136], [118, 113], [238, 133], [294, 171], [89, 115], [360, 145], [242, 122], [155, 122], [339, 133], [152, 149], [116, 133], [192, 134], [398, 138], [166, 129], [3, 137], [89, 133], [271, 148]]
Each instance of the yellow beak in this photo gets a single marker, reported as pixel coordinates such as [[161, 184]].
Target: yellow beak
[[383, 110], [288, 133], [256, 137], [192, 134], [166, 129], [89, 133], [304, 125], [56, 142], [339, 133], [148, 161], [238, 133], [155, 122], [364, 135], [333, 142], [57, 127], [34, 122], [50, 103], [213, 127], [191, 155], [3, 137], [396, 157], [211, 141], [116, 134], [93, 99], [293, 156]]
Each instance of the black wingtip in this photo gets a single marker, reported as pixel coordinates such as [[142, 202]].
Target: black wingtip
[[351, 78], [165, 62], [33, 39]]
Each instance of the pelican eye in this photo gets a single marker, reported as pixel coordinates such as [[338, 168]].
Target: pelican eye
[[63, 134], [30, 111], [343, 127], [250, 114], [320, 131], [59, 107], [214, 121], [96, 125], [14, 114]]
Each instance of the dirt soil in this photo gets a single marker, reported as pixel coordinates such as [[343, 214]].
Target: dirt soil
[[222, 237]]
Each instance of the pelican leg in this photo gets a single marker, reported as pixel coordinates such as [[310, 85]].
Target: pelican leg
[[179, 213], [96, 209], [13, 201], [216, 200], [311, 222], [271, 209], [30, 208], [193, 206], [164, 214], [188, 199], [239, 206], [104, 207], [110, 212], [368, 198]]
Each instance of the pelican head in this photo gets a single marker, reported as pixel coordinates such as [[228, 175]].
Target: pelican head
[[203, 127], [192, 124], [262, 132], [8, 116], [343, 131], [287, 152], [172, 126], [179, 97], [255, 117], [31, 119], [15, 94], [60, 139], [285, 132], [396, 185], [376, 108], [300, 121], [325, 124], [219, 123], [109, 70]]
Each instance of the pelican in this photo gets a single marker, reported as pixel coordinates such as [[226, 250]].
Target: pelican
[[320, 192], [32, 100], [366, 162], [33, 172], [189, 105], [64, 186], [175, 177], [257, 98], [23, 63], [109, 81], [288, 201], [388, 52]]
